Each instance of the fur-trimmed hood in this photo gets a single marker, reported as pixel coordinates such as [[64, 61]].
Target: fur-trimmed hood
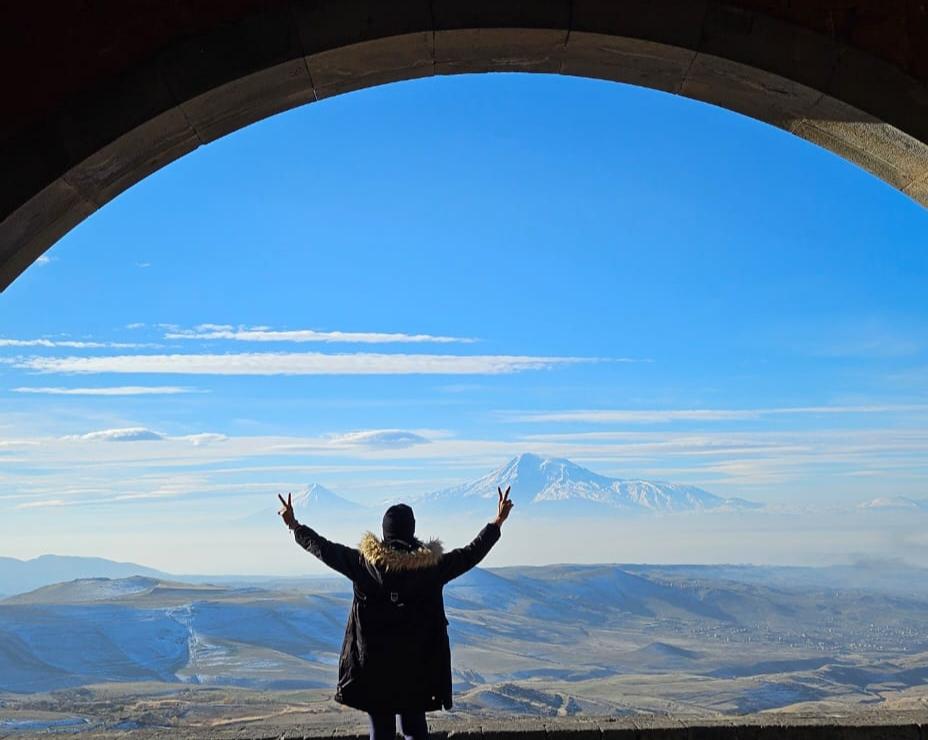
[[379, 554]]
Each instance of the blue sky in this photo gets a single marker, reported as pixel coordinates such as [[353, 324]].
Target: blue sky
[[400, 288]]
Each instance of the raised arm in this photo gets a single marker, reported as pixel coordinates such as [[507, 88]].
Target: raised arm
[[345, 560], [459, 561]]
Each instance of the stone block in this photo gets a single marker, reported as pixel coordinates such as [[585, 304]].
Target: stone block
[[132, 157], [882, 90], [371, 63], [512, 730], [918, 191], [248, 99], [661, 728], [350, 733], [632, 61], [572, 730], [785, 728], [499, 50], [500, 35], [769, 44], [463, 732], [877, 147], [126, 104], [747, 90], [36, 225]]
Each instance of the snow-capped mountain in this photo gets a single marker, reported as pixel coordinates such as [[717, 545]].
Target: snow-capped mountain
[[561, 485], [317, 497], [314, 503]]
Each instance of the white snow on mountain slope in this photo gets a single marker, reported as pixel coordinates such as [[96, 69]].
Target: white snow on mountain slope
[[549, 481], [311, 503], [316, 496]]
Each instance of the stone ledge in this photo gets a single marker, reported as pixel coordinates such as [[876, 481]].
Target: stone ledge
[[852, 726]]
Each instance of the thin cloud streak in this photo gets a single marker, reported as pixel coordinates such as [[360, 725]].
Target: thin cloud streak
[[630, 416], [122, 390], [297, 363], [265, 334], [69, 344], [44, 503]]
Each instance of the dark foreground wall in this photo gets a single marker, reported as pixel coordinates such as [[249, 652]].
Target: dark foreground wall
[[856, 726]]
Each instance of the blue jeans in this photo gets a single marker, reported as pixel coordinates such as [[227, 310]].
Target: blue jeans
[[413, 725]]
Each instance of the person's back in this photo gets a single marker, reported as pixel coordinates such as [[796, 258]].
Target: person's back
[[396, 657]]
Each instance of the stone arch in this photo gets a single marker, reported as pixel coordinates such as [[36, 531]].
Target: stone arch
[[102, 95]]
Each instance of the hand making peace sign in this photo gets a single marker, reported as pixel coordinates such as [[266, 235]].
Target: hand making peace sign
[[287, 512], [505, 506]]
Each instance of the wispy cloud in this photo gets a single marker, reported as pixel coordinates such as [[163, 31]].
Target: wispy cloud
[[265, 334], [120, 390], [298, 363], [203, 438], [43, 260], [635, 416], [391, 439], [69, 343], [43, 503]]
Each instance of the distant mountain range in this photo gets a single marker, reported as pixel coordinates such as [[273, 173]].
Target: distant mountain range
[[559, 486], [548, 485], [17, 576], [554, 486]]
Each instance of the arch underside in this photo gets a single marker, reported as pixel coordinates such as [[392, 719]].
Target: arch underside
[[60, 171]]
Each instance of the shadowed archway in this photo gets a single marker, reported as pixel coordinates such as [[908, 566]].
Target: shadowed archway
[[101, 95]]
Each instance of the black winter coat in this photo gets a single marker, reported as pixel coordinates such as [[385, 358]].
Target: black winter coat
[[396, 656]]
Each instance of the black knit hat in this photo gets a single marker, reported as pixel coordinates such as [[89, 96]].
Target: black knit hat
[[399, 524]]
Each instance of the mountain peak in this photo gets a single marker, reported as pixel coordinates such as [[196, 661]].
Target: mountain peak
[[529, 471], [557, 480], [317, 495]]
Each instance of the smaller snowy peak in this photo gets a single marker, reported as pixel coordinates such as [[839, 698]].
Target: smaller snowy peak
[[309, 502], [896, 503], [316, 494], [317, 497]]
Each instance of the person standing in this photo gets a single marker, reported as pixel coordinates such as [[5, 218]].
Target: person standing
[[396, 657]]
